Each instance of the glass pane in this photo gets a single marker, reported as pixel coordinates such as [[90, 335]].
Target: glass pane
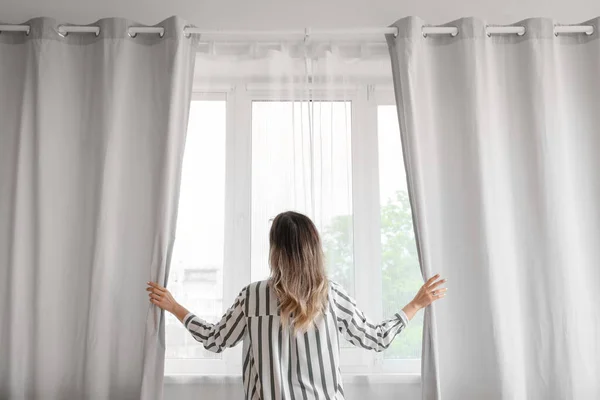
[[400, 263], [196, 276], [301, 161]]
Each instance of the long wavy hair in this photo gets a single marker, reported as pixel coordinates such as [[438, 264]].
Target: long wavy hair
[[297, 270]]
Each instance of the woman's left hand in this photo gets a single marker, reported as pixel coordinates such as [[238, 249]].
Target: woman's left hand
[[161, 297]]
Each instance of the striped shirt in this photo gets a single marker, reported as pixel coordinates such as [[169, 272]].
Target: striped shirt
[[281, 365]]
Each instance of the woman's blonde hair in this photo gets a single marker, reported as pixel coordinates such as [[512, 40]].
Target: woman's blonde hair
[[297, 270]]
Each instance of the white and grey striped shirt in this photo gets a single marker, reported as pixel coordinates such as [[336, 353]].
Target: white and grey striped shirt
[[281, 365]]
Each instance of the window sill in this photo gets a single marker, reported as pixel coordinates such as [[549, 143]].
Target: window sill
[[349, 379]]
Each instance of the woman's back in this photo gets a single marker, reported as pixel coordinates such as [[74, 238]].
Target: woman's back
[[284, 365], [281, 364]]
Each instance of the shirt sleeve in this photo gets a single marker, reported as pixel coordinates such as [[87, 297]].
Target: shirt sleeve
[[226, 333], [357, 328]]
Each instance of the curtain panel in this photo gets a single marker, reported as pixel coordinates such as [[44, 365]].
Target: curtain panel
[[501, 136], [92, 130]]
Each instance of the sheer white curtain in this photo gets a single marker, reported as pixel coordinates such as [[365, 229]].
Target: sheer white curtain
[[501, 139], [92, 130], [301, 152], [293, 104], [301, 113]]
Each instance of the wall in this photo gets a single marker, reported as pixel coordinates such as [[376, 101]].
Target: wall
[[275, 14]]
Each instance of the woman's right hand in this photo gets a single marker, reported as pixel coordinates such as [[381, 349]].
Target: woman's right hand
[[161, 297], [428, 293]]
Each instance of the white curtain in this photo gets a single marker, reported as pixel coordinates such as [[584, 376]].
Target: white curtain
[[92, 131], [501, 137]]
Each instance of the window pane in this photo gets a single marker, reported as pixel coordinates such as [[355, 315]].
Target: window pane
[[196, 276], [301, 161], [400, 263]]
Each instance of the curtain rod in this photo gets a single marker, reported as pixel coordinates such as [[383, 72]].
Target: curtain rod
[[307, 33]]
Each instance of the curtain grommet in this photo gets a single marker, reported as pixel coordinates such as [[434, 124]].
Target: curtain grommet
[[27, 31], [61, 34], [577, 29], [451, 31]]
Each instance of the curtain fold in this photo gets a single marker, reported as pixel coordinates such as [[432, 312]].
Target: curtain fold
[[500, 136], [92, 130]]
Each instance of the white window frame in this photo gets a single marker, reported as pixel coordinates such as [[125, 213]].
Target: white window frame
[[365, 98], [383, 95], [236, 267]]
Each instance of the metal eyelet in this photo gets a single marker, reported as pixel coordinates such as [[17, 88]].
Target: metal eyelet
[[63, 35]]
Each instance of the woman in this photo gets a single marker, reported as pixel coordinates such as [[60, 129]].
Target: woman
[[289, 324]]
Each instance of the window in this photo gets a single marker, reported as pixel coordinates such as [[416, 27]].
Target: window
[[196, 274], [337, 158], [400, 269]]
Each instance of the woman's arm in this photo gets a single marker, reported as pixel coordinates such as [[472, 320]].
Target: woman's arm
[[360, 331], [215, 337]]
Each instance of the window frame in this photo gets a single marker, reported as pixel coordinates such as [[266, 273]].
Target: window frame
[[236, 233], [365, 99], [384, 95]]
